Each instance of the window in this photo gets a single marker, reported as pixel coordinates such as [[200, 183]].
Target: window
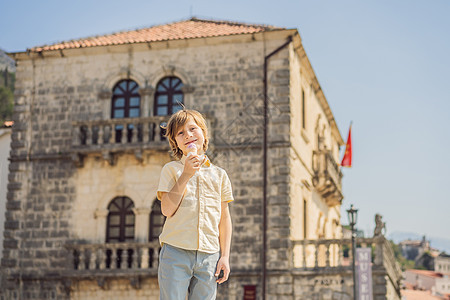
[[168, 96], [120, 222], [126, 103], [303, 110], [157, 220], [305, 221]]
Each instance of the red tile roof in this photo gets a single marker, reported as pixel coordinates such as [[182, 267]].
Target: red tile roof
[[7, 124], [187, 29], [418, 295], [426, 273]]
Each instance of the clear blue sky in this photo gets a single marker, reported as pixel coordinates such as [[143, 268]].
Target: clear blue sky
[[382, 64]]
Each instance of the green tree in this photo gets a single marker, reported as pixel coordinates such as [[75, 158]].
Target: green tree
[[404, 263], [6, 104]]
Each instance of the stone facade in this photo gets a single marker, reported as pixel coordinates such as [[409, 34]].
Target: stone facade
[[5, 140], [59, 188]]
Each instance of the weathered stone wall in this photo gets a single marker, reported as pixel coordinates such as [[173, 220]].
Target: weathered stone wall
[[98, 183], [5, 141], [115, 289], [47, 193]]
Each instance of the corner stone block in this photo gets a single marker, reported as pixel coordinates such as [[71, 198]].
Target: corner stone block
[[12, 225]]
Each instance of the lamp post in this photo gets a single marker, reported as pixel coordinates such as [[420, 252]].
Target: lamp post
[[352, 218]]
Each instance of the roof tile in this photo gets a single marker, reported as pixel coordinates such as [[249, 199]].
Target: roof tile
[[187, 29]]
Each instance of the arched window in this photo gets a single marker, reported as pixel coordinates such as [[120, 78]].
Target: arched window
[[120, 222], [126, 103], [168, 96], [157, 220]]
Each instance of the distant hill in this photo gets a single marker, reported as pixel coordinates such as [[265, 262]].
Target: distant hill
[[6, 62], [441, 244]]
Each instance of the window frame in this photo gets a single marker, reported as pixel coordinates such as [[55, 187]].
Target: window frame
[[127, 94], [155, 212], [125, 208], [170, 90]]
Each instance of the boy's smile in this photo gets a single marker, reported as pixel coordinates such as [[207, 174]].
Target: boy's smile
[[190, 133]]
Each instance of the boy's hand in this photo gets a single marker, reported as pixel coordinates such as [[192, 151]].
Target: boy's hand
[[223, 265], [192, 164]]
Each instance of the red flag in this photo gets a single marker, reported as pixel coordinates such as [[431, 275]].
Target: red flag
[[347, 159]]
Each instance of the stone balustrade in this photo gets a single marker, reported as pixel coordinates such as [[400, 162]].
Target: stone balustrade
[[323, 258], [109, 137], [88, 136], [329, 253], [95, 258], [327, 177]]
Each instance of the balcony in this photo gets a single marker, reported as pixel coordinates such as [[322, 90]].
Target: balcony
[[327, 177], [113, 260], [323, 259], [108, 137]]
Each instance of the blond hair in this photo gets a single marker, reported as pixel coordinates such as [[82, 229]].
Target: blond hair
[[178, 120]]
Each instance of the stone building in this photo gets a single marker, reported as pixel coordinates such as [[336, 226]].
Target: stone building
[[87, 149], [5, 141]]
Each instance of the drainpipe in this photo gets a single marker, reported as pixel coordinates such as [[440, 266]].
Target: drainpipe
[[265, 148]]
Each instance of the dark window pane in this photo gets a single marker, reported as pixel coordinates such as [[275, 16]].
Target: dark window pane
[[156, 221], [121, 220], [134, 113], [129, 231], [127, 203], [120, 102], [114, 220], [162, 111], [178, 87], [114, 231], [161, 88], [119, 113], [177, 84], [123, 85], [175, 81], [125, 98], [168, 96], [177, 98], [113, 207], [132, 86], [162, 99], [129, 219], [117, 91], [134, 101]]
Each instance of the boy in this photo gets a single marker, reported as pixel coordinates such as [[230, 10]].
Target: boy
[[194, 197]]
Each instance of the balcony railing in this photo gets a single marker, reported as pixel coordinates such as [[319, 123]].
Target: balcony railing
[[327, 177], [325, 254], [132, 261], [107, 137], [113, 256], [114, 133]]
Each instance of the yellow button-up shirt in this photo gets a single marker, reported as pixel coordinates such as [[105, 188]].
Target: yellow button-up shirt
[[195, 225]]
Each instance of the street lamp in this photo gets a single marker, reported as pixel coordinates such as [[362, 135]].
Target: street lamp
[[352, 218]]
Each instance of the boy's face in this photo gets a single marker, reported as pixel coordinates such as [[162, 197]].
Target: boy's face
[[190, 133]]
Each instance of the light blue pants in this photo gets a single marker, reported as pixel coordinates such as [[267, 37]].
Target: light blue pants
[[186, 272]]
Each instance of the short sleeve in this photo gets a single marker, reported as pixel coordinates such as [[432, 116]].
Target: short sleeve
[[166, 181], [226, 191]]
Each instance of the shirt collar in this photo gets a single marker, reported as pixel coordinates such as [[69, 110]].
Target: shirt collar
[[206, 163]]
